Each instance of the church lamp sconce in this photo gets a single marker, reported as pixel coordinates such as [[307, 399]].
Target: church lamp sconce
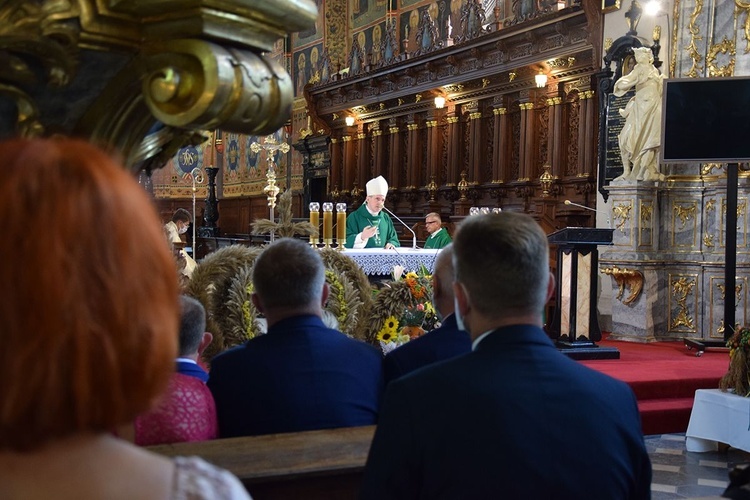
[[432, 189], [547, 182], [540, 79], [440, 102], [626, 278], [349, 120]]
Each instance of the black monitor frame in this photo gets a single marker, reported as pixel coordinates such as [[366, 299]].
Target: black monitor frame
[[705, 120]]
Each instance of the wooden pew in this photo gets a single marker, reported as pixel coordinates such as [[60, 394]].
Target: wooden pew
[[314, 465]]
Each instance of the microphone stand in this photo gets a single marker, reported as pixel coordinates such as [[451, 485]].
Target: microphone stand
[[414, 235], [568, 202]]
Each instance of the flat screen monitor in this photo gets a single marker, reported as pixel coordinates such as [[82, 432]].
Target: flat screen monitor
[[705, 120]]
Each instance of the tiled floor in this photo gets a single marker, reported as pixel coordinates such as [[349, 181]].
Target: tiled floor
[[678, 473]]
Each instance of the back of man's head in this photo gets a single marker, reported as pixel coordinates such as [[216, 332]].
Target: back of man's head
[[442, 279], [181, 215], [192, 325], [503, 262], [289, 274]]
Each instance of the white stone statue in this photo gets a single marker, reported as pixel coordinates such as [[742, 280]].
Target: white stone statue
[[640, 137]]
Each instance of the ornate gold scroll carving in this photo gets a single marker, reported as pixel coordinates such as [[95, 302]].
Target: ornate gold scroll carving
[[626, 278], [621, 214], [745, 6], [692, 48], [724, 47], [684, 213], [197, 84], [681, 289]]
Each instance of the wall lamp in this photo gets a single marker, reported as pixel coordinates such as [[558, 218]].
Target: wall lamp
[[541, 79], [349, 120], [439, 102]]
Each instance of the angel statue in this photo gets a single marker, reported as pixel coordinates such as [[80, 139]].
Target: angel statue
[[640, 137]]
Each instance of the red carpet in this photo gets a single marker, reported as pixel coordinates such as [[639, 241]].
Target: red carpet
[[664, 377]]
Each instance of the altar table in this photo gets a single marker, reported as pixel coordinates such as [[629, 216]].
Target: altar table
[[379, 261], [718, 417]]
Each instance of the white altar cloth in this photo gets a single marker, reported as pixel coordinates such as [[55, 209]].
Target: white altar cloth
[[718, 417], [381, 261]]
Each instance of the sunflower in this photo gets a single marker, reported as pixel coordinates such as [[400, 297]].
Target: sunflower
[[391, 323], [386, 335]]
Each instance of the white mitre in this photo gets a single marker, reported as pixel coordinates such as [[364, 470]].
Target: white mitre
[[377, 186]]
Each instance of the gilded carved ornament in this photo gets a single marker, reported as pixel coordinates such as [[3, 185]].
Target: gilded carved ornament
[[745, 6], [34, 38], [681, 289], [188, 84], [626, 278], [562, 62], [621, 214], [646, 211], [684, 212], [675, 35], [197, 84], [724, 47], [707, 168], [741, 204], [737, 291], [692, 48]]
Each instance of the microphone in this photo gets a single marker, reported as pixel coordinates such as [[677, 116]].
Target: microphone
[[403, 261], [568, 202], [414, 235]]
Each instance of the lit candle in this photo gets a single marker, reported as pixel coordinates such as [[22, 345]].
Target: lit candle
[[328, 224], [341, 224], [315, 222]]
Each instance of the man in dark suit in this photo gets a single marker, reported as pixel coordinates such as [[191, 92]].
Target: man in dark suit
[[514, 418], [301, 375], [442, 343]]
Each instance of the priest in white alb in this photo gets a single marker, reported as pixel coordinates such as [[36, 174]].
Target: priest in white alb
[[369, 226]]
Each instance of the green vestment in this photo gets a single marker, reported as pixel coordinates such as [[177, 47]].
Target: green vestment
[[361, 218], [439, 240]]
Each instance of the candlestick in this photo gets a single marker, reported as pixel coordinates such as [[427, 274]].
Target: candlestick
[[315, 222], [340, 225], [327, 224]]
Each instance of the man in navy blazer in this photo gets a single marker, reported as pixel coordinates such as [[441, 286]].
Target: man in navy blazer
[[442, 343], [300, 375], [514, 418]]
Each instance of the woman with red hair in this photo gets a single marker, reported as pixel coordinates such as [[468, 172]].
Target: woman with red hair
[[89, 333]]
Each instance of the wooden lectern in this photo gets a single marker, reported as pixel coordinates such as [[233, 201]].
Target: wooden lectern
[[575, 324]]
